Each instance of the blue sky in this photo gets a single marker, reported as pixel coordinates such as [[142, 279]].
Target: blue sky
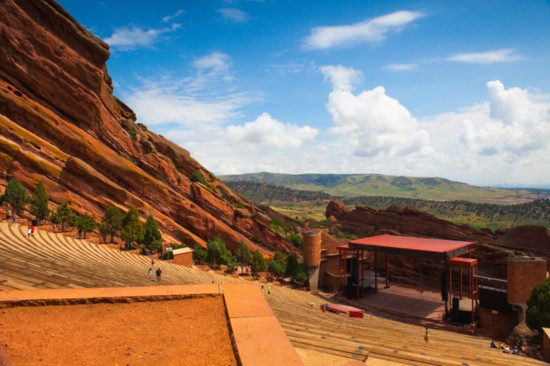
[[455, 89]]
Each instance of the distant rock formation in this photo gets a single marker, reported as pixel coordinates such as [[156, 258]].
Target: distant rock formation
[[492, 251], [60, 122]]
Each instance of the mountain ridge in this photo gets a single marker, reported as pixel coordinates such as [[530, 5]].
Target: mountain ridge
[[356, 185]]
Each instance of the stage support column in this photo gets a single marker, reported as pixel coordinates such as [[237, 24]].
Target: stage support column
[[460, 282], [375, 273], [387, 272]]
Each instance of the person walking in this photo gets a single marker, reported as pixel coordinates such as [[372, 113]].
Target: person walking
[[427, 335], [159, 273], [29, 232], [150, 273]]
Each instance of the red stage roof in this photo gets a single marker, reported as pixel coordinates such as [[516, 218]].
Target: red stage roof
[[418, 247]]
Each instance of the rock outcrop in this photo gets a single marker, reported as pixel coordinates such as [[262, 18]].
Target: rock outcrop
[[60, 123]]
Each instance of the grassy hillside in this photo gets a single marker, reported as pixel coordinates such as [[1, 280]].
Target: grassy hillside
[[311, 205], [358, 185]]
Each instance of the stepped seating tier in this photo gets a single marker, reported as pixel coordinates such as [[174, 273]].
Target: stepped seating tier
[[55, 260], [378, 338]]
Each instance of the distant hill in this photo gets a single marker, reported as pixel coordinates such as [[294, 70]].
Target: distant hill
[[311, 205], [359, 185]]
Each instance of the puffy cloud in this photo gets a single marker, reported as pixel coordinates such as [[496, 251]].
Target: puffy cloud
[[267, 131], [513, 125], [489, 57], [233, 15], [132, 37], [372, 123], [341, 77], [370, 30]]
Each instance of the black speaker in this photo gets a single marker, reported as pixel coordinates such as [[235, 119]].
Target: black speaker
[[455, 317]]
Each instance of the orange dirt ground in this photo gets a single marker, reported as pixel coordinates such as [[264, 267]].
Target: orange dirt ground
[[178, 332]]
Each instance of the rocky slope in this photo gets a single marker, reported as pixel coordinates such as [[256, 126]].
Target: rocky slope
[[492, 251], [60, 122]]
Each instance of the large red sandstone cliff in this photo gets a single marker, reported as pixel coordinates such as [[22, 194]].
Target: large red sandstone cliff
[[60, 122]]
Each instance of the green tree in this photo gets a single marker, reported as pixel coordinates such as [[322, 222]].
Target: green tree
[[39, 202], [65, 216], [243, 255], [197, 177], [216, 252], [152, 237], [275, 268], [86, 223], [537, 315], [113, 221], [132, 228], [16, 196], [301, 274], [292, 265], [257, 264], [281, 260], [103, 232], [199, 254]]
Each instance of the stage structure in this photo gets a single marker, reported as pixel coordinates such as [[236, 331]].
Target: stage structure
[[449, 253]]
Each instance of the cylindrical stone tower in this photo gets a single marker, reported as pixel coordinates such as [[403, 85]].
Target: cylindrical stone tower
[[312, 256], [524, 273]]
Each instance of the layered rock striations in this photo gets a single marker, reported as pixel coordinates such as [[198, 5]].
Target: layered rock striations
[[61, 123]]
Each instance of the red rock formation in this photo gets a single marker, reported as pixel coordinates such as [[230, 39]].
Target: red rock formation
[[60, 122]]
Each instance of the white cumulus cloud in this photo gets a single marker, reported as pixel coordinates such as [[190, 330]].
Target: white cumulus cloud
[[372, 123], [488, 57], [514, 124], [370, 30], [267, 131], [341, 77]]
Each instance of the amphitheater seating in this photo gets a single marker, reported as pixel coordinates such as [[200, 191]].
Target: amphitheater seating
[[50, 260], [374, 338]]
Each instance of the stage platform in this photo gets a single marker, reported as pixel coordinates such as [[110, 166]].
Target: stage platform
[[404, 301]]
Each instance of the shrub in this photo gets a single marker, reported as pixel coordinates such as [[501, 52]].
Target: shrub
[[537, 315]]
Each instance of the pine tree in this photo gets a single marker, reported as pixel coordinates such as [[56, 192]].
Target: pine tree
[[258, 263], [16, 196], [243, 255], [65, 216], [132, 228], [112, 219], [86, 223], [39, 202], [152, 237]]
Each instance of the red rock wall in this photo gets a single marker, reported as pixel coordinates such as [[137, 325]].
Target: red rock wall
[[60, 122]]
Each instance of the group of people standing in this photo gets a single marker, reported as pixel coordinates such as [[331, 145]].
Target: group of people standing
[[158, 272]]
